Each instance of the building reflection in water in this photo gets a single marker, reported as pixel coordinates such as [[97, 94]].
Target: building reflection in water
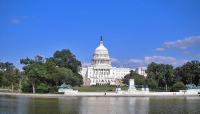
[[99, 105], [114, 105]]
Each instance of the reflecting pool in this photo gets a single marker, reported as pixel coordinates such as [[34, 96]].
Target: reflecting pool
[[99, 105]]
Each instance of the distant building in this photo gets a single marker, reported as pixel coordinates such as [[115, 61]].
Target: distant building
[[101, 71], [141, 71]]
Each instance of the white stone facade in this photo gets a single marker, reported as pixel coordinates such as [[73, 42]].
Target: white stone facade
[[101, 71]]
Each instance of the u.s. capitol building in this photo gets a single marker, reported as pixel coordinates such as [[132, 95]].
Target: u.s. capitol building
[[101, 71]]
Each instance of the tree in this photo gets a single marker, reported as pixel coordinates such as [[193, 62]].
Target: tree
[[62, 75], [34, 69], [139, 79], [1, 73], [179, 76], [66, 59], [178, 86], [9, 75], [21, 80], [58, 75], [152, 83], [189, 73], [53, 71], [161, 73]]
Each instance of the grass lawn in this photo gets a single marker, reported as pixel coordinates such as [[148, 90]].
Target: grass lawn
[[98, 88]]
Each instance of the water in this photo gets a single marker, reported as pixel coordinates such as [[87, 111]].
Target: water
[[99, 105]]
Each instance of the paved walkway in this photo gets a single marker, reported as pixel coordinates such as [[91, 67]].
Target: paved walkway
[[106, 94]]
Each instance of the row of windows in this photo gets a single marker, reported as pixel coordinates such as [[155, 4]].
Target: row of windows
[[100, 55], [101, 61], [102, 81], [107, 74]]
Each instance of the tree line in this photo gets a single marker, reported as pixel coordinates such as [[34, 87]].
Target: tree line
[[166, 77], [42, 75]]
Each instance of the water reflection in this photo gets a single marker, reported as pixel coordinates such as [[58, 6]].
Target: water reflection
[[22, 103], [99, 105], [114, 105], [69, 105]]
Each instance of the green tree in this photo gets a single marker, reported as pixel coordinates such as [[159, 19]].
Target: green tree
[[1, 73], [66, 59], [9, 75], [161, 73], [139, 79], [178, 86], [58, 75], [43, 88], [152, 83], [53, 71], [35, 70], [189, 73]]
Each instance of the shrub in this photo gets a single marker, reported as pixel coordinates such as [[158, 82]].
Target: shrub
[[42, 88], [139, 80], [53, 89], [26, 87], [152, 84], [178, 86]]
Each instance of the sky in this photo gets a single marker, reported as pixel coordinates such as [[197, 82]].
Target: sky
[[136, 32]]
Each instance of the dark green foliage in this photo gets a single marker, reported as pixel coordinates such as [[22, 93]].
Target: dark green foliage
[[46, 74], [66, 59], [152, 84], [9, 75], [26, 87], [189, 73], [35, 70], [42, 88], [165, 75], [139, 79], [161, 73], [178, 86]]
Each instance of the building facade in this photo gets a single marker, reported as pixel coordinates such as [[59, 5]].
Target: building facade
[[101, 71]]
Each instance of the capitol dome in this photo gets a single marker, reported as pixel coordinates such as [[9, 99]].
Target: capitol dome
[[101, 49], [101, 55]]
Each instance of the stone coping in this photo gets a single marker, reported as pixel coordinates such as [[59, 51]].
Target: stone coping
[[105, 94]]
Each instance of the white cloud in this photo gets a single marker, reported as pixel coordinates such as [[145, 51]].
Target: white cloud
[[16, 21], [160, 59], [86, 64], [115, 60], [19, 19], [198, 55], [160, 49], [136, 62], [184, 43], [144, 62], [157, 59]]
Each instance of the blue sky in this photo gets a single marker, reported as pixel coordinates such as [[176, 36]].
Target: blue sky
[[136, 32]]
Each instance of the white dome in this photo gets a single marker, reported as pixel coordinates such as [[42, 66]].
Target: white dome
[[101, 49], [101, 55]]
